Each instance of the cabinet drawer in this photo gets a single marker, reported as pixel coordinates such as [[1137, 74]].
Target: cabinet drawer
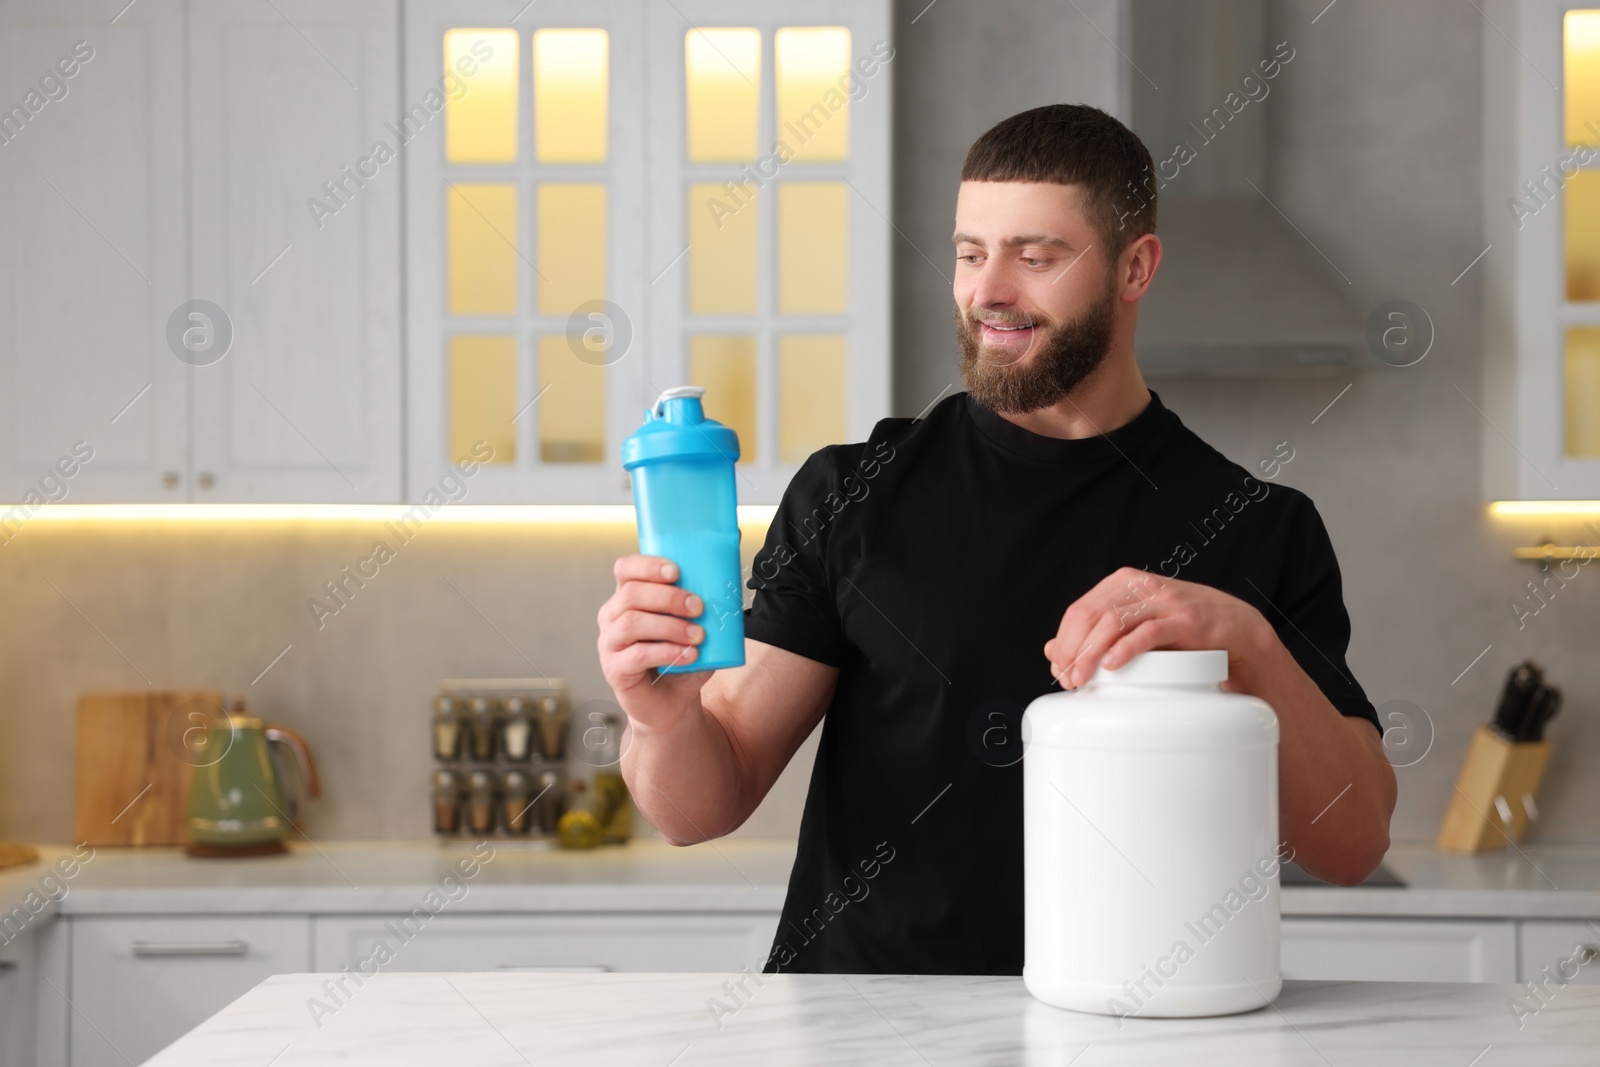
[[1570, 949], [19, 981], [1390, 950], [140, 984], [578, 941]]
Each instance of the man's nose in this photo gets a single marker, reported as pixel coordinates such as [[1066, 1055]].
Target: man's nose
[[994, 288]]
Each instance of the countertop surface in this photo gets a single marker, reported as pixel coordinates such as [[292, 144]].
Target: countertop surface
[[663, 1020], [342, 877]]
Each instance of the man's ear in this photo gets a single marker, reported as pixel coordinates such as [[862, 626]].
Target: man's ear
[[1137, 266]]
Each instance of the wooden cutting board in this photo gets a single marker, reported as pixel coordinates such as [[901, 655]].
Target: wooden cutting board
[[17, 855], [135, 759]]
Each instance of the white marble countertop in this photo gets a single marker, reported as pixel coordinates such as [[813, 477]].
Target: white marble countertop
[[662, 1020], [1551, 881]]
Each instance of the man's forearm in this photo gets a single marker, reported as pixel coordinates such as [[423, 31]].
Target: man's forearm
[[686, 779], [1336, 789]]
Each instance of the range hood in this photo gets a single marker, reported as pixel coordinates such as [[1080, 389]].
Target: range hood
[[1239, 292]]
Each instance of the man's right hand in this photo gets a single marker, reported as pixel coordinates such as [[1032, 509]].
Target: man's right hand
[[644, 625]]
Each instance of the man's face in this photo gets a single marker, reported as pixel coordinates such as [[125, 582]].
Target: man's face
[[1035, 297]]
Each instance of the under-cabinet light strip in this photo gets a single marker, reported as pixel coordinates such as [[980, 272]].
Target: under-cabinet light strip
[[1539, 509], [458, 514]]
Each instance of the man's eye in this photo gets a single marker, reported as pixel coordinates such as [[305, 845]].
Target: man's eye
[[1032, 262]]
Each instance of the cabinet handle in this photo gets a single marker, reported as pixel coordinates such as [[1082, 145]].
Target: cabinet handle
[[206, 480], [169, 480], [598, 968], [9, 965], [190, 948]]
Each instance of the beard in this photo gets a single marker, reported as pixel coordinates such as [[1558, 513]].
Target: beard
[[1062, 356]]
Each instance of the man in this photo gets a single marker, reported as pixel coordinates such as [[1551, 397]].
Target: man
[[918, 590]]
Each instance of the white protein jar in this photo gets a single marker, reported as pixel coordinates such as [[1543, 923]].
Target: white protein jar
[[1150, 840]]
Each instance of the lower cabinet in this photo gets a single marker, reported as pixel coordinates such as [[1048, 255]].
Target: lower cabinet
[[573, 942], [19, 992], [1571, 951], [1399, 950], [140, 984]]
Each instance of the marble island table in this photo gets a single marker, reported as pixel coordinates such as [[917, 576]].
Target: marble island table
[[679, 1020]]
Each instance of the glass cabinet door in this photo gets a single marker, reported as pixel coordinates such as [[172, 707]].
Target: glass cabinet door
[[769, 204], [1580, 380], [525, 200]]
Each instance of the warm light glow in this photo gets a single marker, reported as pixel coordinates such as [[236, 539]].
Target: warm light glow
[[480, 114], [812, 67], [570, 73], [1539, 509], [721, 95], [1582, 66], [452, 514]]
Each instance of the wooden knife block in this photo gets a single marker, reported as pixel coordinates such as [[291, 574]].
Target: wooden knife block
[[1495, 768]]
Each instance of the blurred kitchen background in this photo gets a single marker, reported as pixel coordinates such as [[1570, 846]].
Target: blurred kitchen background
[[1371, 144]]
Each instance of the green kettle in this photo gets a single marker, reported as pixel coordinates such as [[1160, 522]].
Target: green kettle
[[238, 804]]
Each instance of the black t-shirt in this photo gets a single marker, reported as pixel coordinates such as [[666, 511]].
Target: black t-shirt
[[929, 565]]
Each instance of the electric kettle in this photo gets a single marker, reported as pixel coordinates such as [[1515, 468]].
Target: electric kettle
[[238, 804]]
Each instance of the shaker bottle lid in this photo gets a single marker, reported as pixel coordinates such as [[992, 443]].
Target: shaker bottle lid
[[676, 427]]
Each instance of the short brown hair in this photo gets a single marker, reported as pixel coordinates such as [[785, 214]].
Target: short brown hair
[[1074, 144]]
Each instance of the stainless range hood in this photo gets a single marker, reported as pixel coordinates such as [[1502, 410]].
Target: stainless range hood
[[1239, 291]]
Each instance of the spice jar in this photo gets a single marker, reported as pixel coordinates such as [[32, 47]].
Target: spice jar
[[446, 729], [547, 803], [482, 718], [516, 729], [480, 802], [446, 802], [552, 715], [514, 802]]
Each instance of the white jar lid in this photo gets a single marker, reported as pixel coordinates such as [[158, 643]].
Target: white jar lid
[[1169, 667]]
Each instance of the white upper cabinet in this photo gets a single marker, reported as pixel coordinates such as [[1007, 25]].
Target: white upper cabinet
[[1541, 336], [619, 198], [93, 406], [525, 246], [295, 215], [216, 207]]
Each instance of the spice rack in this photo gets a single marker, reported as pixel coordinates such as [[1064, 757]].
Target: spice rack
[[500, 754]]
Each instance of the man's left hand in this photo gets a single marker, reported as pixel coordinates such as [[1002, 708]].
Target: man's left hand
[[1132, 611]]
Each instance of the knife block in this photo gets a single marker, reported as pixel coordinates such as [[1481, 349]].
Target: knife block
[[1498, 778]]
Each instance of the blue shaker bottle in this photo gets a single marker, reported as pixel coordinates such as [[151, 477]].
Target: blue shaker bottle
[[686, 503]]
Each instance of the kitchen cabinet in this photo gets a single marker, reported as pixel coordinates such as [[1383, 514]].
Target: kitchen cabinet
[[1541, 267], [1571, 951], [686, 205], [170, 296], [582, 942], [1391, 950], [19, 996], [138, 984], [92, 255], [296, 236]]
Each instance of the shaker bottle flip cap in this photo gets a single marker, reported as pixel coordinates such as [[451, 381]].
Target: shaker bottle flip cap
[[676, 427]]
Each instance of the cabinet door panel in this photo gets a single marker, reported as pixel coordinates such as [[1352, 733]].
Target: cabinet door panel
[[296, 236], [1571, 951], [19, 982], [1392, 950], [140, 984], [91, 253], [556, 942]]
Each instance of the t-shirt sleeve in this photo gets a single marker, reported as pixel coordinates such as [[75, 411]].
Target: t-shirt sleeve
[[1308, 613], [794, 606]]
